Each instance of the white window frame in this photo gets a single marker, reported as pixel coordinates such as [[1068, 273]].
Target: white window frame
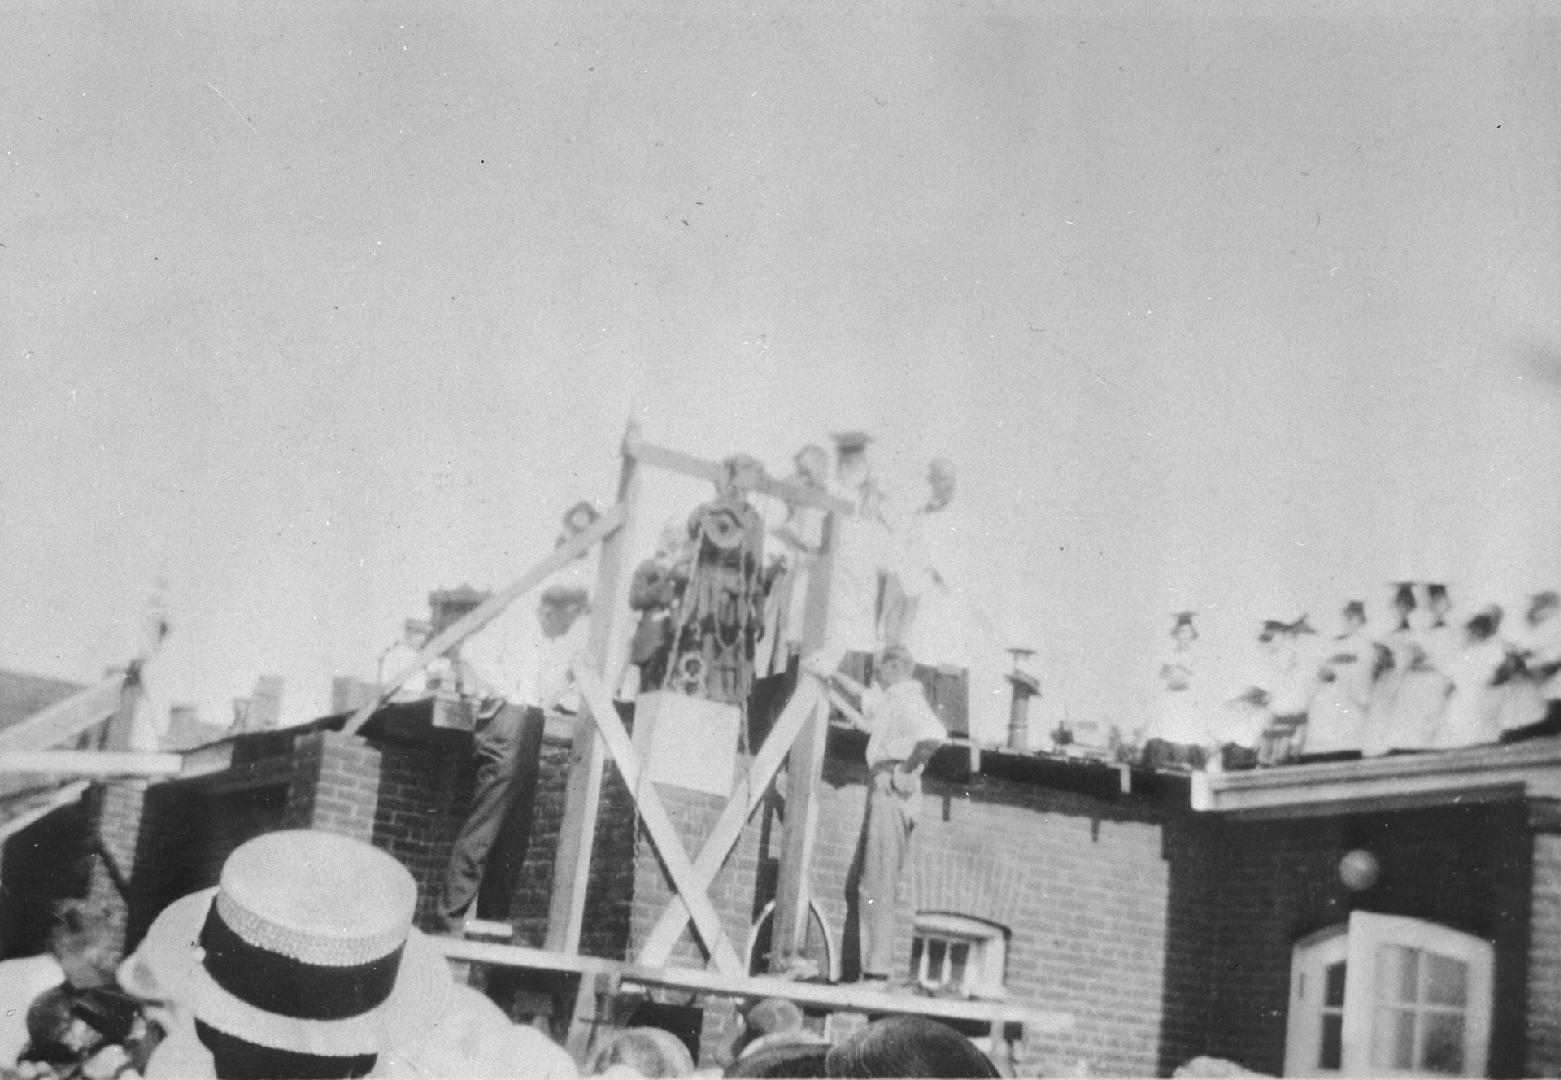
[[1357, 944], [986, 959]]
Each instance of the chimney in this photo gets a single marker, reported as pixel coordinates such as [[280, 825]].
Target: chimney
[[265, 703], [1025, 686]]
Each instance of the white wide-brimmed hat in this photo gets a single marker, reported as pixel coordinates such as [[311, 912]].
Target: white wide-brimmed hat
[[305, 945]]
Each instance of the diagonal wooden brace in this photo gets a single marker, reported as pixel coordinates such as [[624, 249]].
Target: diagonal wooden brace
[[489, 610], [654, 817], [805, 699]]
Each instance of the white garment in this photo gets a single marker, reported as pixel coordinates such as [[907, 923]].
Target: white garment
[[1337, 719], [22, 980], [1473, 713], [1542, 644], [938, 578], [1181, 710], [538, 674], [861, 549], [898, 717]]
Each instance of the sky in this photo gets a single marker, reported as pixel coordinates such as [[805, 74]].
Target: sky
[[309, 309]]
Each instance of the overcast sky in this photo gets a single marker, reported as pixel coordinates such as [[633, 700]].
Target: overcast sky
[[309, 309]]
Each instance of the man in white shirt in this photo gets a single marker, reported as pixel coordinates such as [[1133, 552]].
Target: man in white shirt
[[903, 734], [1338, 713], [508, 745]]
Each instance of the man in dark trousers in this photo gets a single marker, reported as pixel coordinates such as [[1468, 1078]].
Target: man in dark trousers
[[508, 748]]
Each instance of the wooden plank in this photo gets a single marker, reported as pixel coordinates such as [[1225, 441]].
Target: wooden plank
[[700, 469], [63, 797], [92, 763], [583, 788], [653, 816], [64, 719], [789, 925], [728, 828], [854, 996], [489, 610]]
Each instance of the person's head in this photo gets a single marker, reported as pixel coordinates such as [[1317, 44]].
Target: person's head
[[82, 940], [770, 1016], [1437, 601], [1274, 635], [1542, 606], [895, 665], [1353, 616], [911, 1046], [851, 465], [649, 1051], [558, 609], [303, 961], [673, 541], [741, 474], [787, 1057], [1404, 600], [812, 465], [415, 632], [940, 480], [1183, 632], [1484, 623]]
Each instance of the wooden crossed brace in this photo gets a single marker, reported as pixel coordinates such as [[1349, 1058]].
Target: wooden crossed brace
[[805, 700], [691, 889]]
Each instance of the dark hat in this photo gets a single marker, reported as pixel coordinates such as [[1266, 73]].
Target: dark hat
[[565, 596], [1274, 626], [1301, 626], [1435, 590], [850, 442], [1404, 593], [1354, 607], [1546, 599]]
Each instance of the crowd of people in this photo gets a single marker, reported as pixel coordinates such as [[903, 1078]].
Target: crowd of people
[[1434, 678], [303, 962]]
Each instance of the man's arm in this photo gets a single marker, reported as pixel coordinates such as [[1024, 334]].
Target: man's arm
[[921, 754]]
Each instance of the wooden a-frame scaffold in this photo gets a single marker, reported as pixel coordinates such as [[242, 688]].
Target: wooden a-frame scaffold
[[798, 734]]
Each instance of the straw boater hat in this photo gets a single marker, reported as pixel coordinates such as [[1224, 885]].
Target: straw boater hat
[[306, 945]]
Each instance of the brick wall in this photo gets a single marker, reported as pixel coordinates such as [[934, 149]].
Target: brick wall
[[1242, 893], [1544, 971]]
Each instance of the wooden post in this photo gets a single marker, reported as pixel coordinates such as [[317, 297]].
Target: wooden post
[[583, 793], [789, 923]]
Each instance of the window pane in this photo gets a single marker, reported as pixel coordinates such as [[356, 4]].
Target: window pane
[[936, 948], [959, 955], [1331, 1054], [1333, 989], [1398, 974], [916, 944], [1393, 1039], [1446, 980], [1443, 1052]]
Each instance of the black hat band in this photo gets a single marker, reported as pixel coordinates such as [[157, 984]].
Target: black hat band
[[284, 986]]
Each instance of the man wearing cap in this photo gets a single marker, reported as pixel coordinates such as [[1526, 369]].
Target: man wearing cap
[[508, 749], [1337, 717], [903, 734], [1540, 647]]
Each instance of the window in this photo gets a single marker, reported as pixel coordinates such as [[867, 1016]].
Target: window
[[958, 956], [1388, 996]]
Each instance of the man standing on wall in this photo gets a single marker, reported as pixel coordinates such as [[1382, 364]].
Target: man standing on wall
[[903, 734], [508, 749]]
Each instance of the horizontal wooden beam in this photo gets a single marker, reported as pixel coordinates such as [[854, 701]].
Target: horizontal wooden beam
[[1512, 771], [63, 797], [852, 997], [92, 763], [64, 719], [490, 609], [701, 469]]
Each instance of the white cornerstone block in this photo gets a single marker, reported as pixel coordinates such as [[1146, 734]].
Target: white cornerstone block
[[687, 741]]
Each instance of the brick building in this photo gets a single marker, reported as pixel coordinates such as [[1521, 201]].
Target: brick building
[[1407, 909]]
